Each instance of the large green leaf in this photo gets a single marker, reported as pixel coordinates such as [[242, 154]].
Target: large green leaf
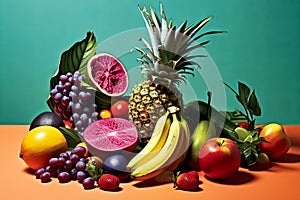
[[253, 105], [74, 59]]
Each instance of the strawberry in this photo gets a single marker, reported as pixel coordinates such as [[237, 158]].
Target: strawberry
[[187, 181], [108, 182], [194, 174]]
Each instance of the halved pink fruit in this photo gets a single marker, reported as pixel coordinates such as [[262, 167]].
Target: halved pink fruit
[[108, 74], [110, 135]]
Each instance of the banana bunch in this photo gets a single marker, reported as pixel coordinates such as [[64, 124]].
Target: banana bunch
[[165, 150]]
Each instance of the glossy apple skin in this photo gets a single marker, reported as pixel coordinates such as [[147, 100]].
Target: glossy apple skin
[[219, 158], [278, 143]]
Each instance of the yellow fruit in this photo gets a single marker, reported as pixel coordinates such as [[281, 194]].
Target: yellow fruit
[[82, 144], [105, 114], [40, 144]]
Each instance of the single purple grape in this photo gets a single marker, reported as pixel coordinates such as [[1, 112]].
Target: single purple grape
[[80, 166], [79, 150], [63, 79], [61, 161], [63, 177], [74, 158], [65, 100], [88, 183], [45, 177], [73, 173], [69, 164], [57, 97], [53, 162], [81, 176]]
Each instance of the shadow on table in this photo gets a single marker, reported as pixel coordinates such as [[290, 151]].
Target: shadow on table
[[289, 158], [29, 171], [238, 179]]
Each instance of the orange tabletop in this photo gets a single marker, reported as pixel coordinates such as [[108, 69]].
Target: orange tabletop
[[281, 181]]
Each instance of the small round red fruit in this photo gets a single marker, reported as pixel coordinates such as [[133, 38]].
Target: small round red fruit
[[108, 182], [219, 158], [244, 125], [278, 143], [120, 109]]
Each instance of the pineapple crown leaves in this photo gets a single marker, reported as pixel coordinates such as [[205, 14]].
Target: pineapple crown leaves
[[170, 46]]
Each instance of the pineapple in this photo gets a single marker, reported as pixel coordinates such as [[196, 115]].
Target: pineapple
[[164, 66]]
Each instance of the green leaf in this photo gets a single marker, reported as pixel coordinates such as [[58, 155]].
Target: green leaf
[[244, 92], [72, 137], [253, 105], [94, 171], [74, 59], [249, 153]]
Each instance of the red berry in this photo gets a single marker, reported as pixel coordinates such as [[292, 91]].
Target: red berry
[[68, 124], [108, 182], [194, 174], [187, 181], [244, 125]]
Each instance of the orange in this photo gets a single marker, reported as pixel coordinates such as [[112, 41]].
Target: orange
[[40, 144], [105, 114]]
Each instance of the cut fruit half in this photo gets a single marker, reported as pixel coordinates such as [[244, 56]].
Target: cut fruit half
[[108, 74], [109, 136]]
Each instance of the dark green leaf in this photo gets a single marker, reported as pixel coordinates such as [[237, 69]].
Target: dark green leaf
[[75, 58], [253, 105], [251, 125], [244, 92], [249, 153], [72, 137]]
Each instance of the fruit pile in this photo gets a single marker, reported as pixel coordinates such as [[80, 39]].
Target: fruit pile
[[98, 136]]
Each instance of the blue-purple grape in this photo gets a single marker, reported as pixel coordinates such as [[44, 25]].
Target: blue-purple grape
[[79, 150], [80, 166], [45, 177], [73, 173], [81, 176], [74, 158], [88, 183], [69, 164], [63, 177], [53, 162], [61, 161]]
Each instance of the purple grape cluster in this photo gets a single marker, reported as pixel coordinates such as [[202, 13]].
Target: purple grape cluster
[[74, 102], [68, 166]]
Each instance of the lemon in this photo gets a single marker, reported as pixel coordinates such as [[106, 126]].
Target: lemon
[[40, 144]]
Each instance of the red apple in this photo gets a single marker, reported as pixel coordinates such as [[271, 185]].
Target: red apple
[[219, 158], [278, 143]]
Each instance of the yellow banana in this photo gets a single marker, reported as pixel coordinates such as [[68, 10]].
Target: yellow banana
[[155, 143], [183, 147], [162, 159]]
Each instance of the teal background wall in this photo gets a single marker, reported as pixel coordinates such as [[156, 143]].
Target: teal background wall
[[261, 47]]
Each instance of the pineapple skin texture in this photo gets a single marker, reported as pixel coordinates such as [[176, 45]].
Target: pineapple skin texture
[[149, 101]]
